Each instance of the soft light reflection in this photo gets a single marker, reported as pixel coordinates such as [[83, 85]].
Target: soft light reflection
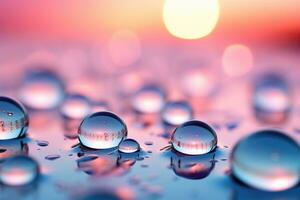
[[124, 48], [237, 60], [191, 19]]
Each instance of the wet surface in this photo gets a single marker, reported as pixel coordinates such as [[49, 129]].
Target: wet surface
[[71, 171]]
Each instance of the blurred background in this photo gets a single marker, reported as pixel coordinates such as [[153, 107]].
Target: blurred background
[[62, 59]]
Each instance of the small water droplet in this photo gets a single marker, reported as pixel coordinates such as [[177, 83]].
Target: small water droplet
[[42, 143], [2, 150], [52, 157], [149, 99], [148, 143], [129, 146], [102, 130], [42, 89], [271, 99], [176, 113], [194, 138]]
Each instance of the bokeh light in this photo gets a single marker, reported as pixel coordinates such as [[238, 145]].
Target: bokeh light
[[191, 19], [237, 60]]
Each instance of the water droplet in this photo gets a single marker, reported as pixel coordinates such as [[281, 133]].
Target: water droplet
[[14, 126], [75, 106], [232, 125], [2, 150], [42, 89], [176, 113], [267, 160], [52, 157], [192, 167], [271, 99], [18, 170], [149, 99], [129, 146], [102, 130], [42, 143], [194, 138], [148, 143]]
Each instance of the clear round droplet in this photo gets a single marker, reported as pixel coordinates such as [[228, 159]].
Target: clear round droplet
[[129, 146], [12, 125], [102, 130], [149, 99], [267, 160], [42, 90], [18, 170], [176, 113], [194, 138], [271, 99], [75, 106]]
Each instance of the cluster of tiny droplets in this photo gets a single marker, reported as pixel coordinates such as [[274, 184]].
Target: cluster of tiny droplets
[[194, 138], [102, 130], [18, 170], [42, 90], [13, 119], [268, 160]]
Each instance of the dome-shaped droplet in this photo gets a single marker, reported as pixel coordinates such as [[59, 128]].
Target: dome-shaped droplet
[[176, 113], [13, 119], [18, 170], [129, 146], [194, 138], [42, 89], [149, 99], [102, 130], [271, 99], [267, 160], [75, 106]]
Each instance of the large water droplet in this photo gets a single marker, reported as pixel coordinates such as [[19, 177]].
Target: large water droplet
[[194, 138], [12, 126], [271, 99], [176, 113], [42, 89], [129, 146], [102, 130], [18, 170], [267, 160], [149, 99]]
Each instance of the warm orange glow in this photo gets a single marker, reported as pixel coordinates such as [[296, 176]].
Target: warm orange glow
[[191, 19]]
